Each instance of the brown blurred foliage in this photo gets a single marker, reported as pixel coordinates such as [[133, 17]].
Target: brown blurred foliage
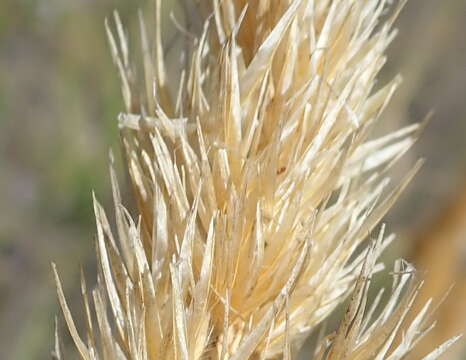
[[59, 98], [439, 251]]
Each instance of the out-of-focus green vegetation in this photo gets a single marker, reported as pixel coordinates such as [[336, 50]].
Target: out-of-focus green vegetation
[[59, 98]]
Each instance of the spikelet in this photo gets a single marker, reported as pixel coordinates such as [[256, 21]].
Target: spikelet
[[256, 186]]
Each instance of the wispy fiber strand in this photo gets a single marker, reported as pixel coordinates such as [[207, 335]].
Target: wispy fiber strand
[[256, 183]]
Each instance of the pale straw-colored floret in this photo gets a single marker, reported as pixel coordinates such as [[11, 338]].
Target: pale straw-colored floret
[[256, 186]]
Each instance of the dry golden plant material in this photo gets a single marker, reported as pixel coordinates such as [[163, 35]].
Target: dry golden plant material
[[439, 251], [255, 184]]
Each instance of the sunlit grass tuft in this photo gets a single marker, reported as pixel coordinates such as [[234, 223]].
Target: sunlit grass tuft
[[256, 183]]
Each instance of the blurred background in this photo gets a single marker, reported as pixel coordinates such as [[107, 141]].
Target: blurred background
[[59, 98]]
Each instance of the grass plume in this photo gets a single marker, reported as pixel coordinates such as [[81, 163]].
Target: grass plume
[[257, 184]]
